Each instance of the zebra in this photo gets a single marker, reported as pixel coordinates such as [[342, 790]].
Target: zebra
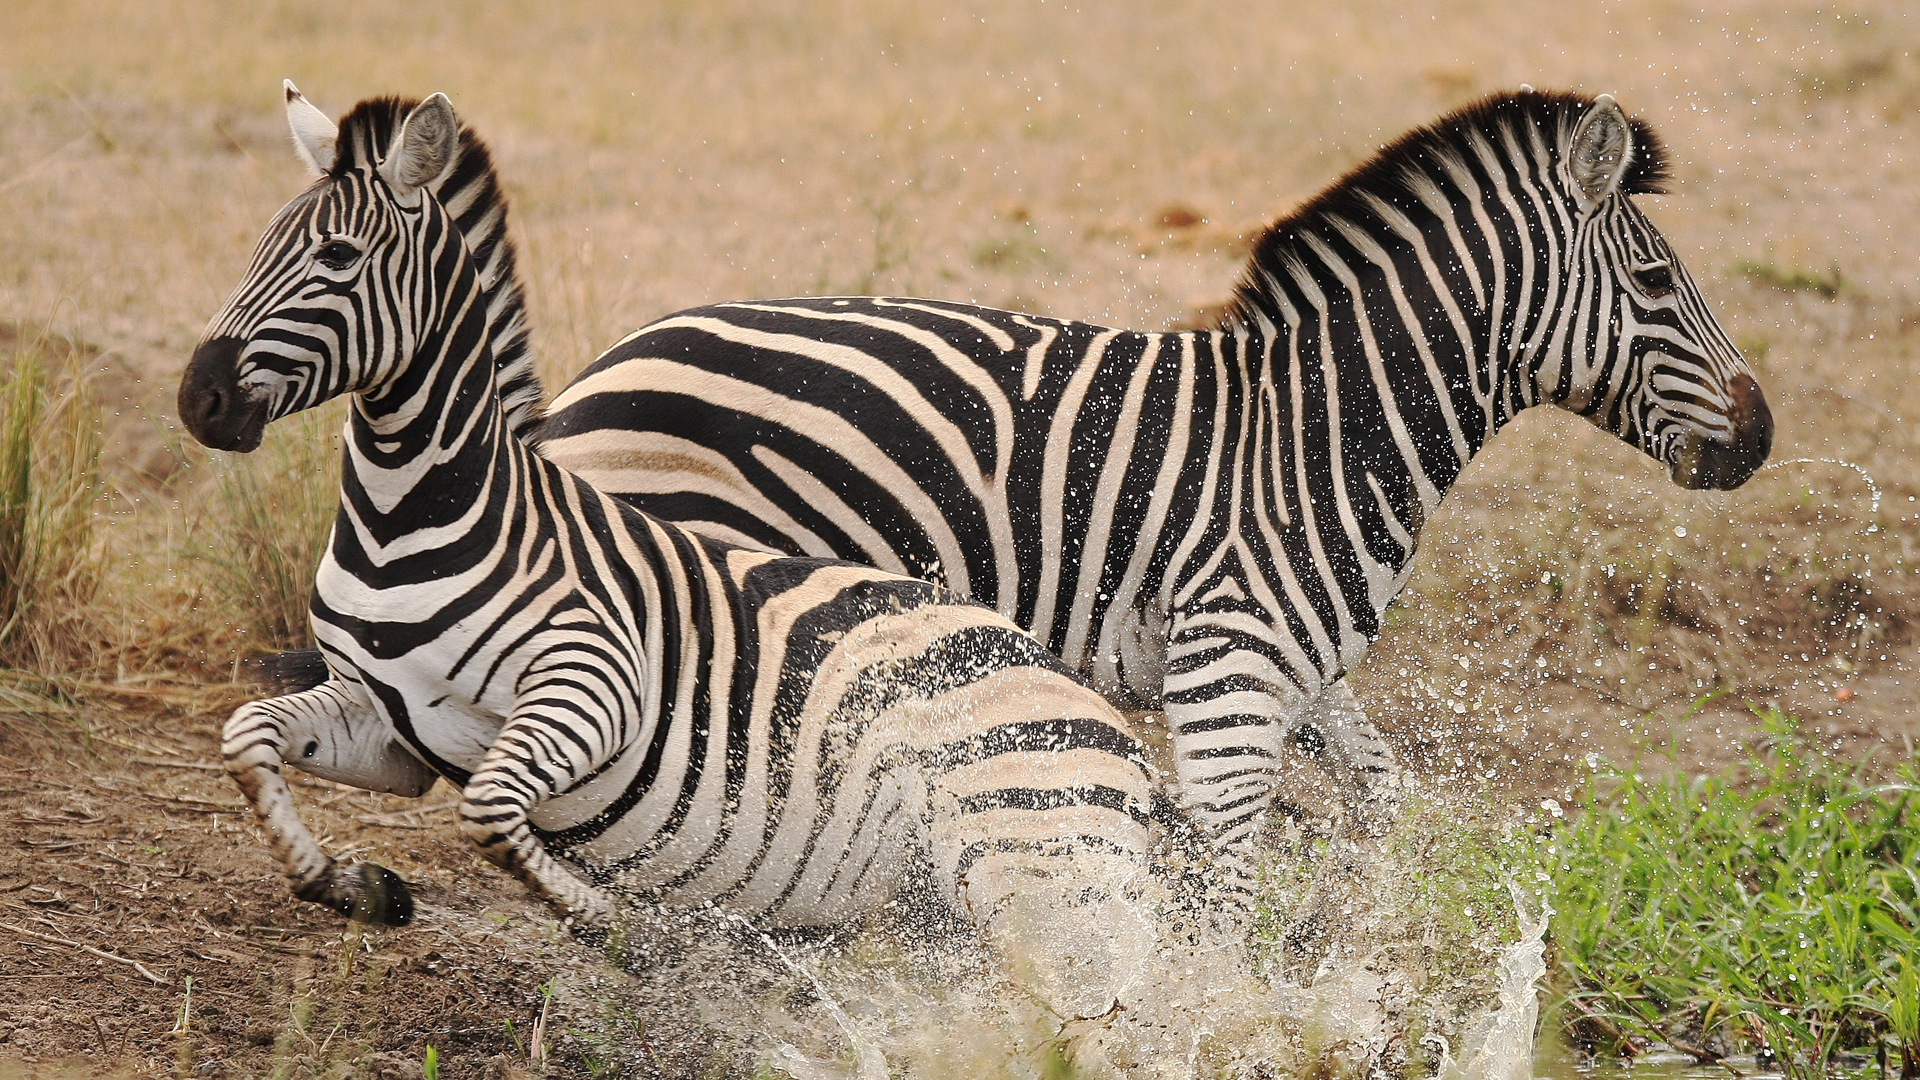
[[628, 707], [1210, 522]]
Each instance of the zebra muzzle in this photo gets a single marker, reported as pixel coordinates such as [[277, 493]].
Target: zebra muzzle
[[1722, 465], [214, 408]]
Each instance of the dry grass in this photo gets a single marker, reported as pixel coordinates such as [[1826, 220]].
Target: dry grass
[[50, 562], [266, 519]]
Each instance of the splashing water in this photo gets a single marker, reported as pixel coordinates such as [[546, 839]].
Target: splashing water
[[1500, 1045], [1419, 981], [1872, 487]]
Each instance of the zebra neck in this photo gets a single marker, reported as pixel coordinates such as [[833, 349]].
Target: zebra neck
[[430, 446], [1370, 391]]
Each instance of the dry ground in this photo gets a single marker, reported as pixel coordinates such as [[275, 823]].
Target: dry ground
[[144, 929], [1101, 163]]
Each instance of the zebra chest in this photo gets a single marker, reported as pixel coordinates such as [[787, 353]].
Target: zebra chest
[[442, 673]]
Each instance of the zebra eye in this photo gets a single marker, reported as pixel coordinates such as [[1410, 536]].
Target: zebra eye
[[1656, 280], [337, 254]]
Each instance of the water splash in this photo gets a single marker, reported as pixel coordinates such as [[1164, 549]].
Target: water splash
[[905, 998], [1500, 1045], [1872, 486], [869, 1063]]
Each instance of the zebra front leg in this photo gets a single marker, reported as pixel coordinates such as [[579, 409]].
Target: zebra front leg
[[539, 754], [330, 732], [1334, 733], [1237, 724], [1222, 718]]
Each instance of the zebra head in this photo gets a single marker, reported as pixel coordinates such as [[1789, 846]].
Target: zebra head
[[329, 304], [1632, 346]]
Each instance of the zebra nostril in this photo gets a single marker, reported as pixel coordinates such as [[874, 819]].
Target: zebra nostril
[[216, 401]]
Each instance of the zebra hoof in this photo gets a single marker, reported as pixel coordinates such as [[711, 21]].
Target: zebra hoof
[[364, 892], [382, 897], [592, 935]]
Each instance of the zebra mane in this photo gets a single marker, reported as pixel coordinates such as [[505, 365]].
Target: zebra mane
[[471, 192], [1425, 151]]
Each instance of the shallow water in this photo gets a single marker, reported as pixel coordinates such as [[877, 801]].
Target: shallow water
[[909, 1000]]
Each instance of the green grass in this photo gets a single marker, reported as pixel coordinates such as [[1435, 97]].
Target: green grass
[[1772, 911]]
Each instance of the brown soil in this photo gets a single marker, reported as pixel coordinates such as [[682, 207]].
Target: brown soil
[[144, 928], [130, 867]]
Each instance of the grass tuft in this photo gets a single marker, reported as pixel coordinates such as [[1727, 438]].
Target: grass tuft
[[50, 560], [1792, 278], [269, 515], [1773, 911]]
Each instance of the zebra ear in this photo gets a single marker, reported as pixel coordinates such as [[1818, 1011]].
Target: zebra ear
[[313, 133], [423, 149], [1601, 151]]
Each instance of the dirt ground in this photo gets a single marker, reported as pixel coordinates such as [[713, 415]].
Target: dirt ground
[[1107, 166], [144, 929]]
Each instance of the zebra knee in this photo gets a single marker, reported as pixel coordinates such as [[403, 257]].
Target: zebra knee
[[1310, 741], [494, 817], [254, 738]]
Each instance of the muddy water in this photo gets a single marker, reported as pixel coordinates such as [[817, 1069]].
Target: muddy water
[[912, 1003], [883, 1003]]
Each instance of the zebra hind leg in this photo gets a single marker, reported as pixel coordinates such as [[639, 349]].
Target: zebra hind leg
[[258, 739], [1045, 852]]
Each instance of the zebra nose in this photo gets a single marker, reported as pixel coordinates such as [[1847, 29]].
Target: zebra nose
[[211, 405], [1724, 466]]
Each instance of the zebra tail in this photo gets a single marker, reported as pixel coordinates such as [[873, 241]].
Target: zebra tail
[[289, 672]]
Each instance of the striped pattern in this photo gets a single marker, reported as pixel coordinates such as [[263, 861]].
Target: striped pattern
[[625, 704], [1211, 521]]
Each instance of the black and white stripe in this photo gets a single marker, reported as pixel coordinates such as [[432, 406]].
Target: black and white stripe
[[674, 715], [1213, 521]]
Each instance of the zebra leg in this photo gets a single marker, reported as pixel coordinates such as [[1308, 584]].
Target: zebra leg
[[352, 744], [538, 754], [1045, 851], [1230, 749], [1333, 731], [1225, 727]]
